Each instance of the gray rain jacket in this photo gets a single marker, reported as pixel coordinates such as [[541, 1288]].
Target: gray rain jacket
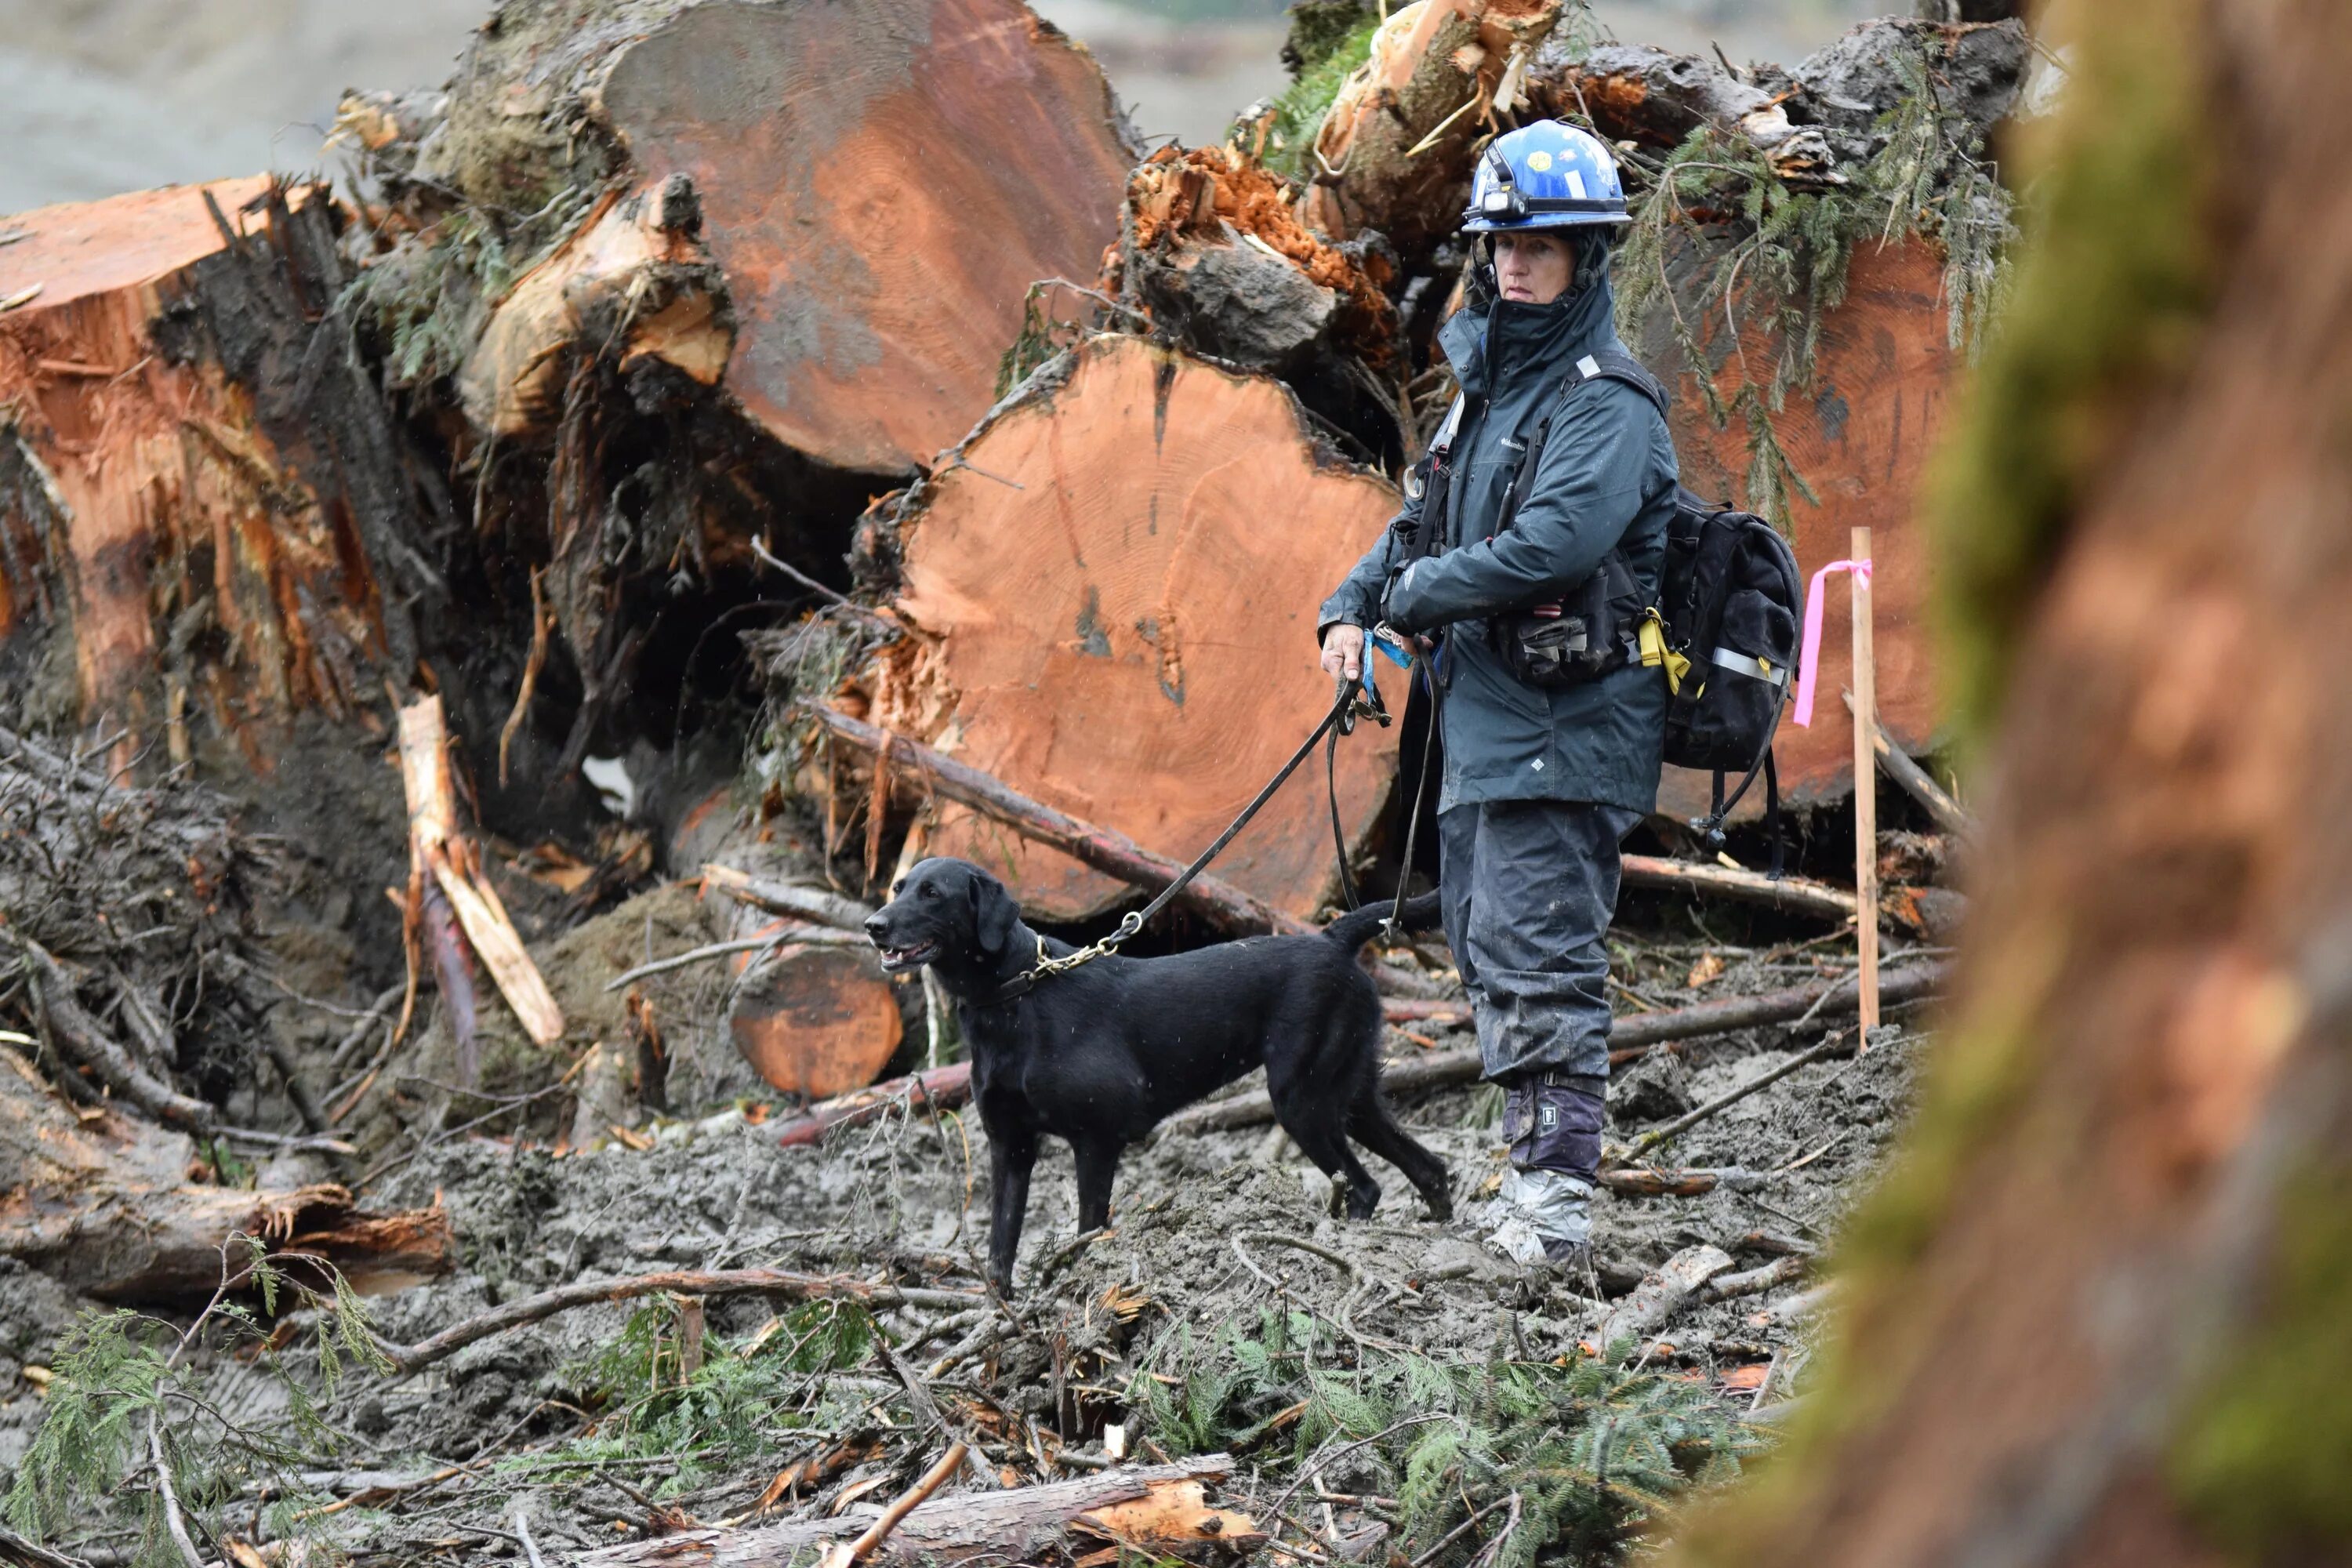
[[1605, 481]]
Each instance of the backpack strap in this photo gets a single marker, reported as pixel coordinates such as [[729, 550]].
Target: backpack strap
[[1602, 364]]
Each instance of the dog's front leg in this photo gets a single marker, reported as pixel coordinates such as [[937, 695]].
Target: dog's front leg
[[1014, 1151], [1097, 1163]]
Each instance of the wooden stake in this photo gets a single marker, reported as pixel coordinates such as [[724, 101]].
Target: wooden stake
[[1865, 785]]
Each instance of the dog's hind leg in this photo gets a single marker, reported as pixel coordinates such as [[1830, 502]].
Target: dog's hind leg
[[1097, 1163], [1373, 1124], [1314, 1125]]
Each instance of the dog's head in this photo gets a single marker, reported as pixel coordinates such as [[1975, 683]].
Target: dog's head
[[945, 912]]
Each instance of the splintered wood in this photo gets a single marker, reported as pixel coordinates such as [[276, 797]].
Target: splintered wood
[[1113, 587], [140, 499], [439, 849]]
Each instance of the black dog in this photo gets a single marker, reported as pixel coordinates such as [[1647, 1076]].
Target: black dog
[[1099, 1055]]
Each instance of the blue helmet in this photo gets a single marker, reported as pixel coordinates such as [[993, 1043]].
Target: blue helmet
[[1549, 174]]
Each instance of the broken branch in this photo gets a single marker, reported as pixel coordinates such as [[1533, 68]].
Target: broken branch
[[776, 1282], [1113, 854]]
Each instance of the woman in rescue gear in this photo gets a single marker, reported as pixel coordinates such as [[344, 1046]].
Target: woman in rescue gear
[[1532, 540]]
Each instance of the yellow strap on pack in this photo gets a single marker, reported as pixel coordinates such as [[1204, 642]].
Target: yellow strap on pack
[[1656, 654]]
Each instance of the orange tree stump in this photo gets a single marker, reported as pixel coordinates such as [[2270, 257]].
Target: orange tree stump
[[817, 1021]]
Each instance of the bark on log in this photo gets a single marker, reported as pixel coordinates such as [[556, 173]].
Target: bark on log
[[1632, 1037], [1811, 121], [1212, 248], [815, 1020], [215, 518], [1661, 1295], [1159, 1511], [1800, 893], [101, 1202], [2144, 1094], [1111, 588], [1394, 151], [1112, 854], [876, 186]]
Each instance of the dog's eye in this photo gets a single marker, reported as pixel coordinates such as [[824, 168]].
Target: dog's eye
[[928, 891], [898, 889]]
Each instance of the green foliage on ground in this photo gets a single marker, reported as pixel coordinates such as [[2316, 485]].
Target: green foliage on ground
[[122, 1405], [746, 1395], [1579, 1453]]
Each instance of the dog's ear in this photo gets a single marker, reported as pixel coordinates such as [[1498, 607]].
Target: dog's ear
[[995, 915]]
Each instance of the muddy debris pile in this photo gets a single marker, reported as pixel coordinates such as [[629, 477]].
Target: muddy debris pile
[[481, 631]]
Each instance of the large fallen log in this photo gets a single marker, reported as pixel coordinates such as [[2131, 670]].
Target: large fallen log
[[874, 188], [1156, 1510], [1630, 1038], [815, 1020], [216, 521], [1394, 151], [102, 1202], [1111, 589]]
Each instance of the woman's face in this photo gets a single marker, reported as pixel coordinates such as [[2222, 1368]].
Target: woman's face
[[1533, 266]]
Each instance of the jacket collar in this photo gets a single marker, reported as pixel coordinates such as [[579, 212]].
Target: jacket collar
[[1496, 344]]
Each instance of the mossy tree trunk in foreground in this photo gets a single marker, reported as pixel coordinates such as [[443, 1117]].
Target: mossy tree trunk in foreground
[[2103, 1311]]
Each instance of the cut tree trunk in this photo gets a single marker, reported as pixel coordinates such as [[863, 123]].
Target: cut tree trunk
[[2093, 1316], [815, 1021], [877, 185], [1158, 1510], [200, 525], [1861, 437], [101, 1202], [1111, 588]]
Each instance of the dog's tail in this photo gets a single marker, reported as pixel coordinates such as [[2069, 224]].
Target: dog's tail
[[1353, 929]]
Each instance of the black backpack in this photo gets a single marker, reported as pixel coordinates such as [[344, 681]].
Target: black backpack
[[1729, 600]]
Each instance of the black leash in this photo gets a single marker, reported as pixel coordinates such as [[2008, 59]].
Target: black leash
[[1135, 920], [1395, 929]]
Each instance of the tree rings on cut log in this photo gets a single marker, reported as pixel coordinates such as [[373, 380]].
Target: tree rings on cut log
[[1860, 437], [1113, 587], [817, 1021], [880, 184]]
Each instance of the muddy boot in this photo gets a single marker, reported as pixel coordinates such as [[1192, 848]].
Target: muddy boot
[[1552, 1123]]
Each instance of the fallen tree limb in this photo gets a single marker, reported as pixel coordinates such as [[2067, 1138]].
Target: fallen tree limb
[[1835, 1046], [786, 898], [1640, 1182], [455, 863], [940, 1087], [1439, 1069], [1916, 782], [1113, 854], [1158, 1510], [1755, 1281], [1662, 1294], [1799, 893], [709, 951], [100, 1202], [84, 1042], [777, 1282]]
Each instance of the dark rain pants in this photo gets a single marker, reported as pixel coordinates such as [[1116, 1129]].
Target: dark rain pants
[[1530, 887]]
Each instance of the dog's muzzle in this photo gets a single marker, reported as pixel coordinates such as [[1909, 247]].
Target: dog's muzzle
[[897, 959]]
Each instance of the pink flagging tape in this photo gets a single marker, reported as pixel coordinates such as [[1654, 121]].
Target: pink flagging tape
[[1810, 655]]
